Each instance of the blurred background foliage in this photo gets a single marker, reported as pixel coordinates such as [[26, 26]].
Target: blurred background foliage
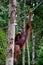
[[36, 24]]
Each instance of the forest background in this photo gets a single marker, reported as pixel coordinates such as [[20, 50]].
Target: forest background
[[36, 25]]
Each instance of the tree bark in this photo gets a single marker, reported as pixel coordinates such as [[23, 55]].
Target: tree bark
[[11, 32]]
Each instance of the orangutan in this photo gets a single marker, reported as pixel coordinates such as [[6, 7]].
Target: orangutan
[[21, 37]]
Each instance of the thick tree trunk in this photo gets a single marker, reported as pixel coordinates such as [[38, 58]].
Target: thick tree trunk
[[33, 48], [11, 32]]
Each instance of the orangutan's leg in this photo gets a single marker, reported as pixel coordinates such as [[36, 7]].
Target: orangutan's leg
[[16, 53]]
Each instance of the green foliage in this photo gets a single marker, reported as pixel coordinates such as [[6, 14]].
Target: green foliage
[[3, 23], [2, 47], [36, 24], [39, 59], [3, 13]]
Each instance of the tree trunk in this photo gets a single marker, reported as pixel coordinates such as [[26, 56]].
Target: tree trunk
[[33, 48], [28, 48], [11, 32], [23, 58], [28, 52]]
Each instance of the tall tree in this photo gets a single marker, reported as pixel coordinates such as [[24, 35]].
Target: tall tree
[[23, 58], [28, 52], [11, 32], [33, 48]]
